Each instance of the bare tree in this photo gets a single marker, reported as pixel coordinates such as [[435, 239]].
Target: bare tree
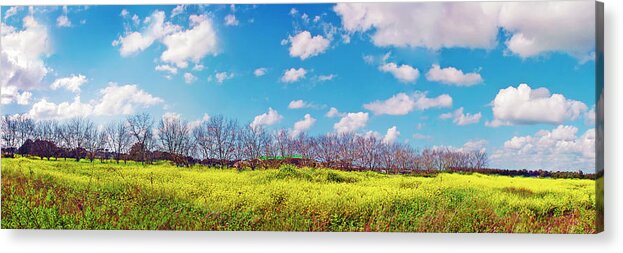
[[174, 135], [140, 127], [117, 138], [75, 134], [254, 142], [9, 132], [93, 142]]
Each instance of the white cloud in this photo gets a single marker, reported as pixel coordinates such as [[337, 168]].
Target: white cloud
[[556, 149], [524, 105], [198, 67], [10, 94], [171, 116], [135, 42], [168, 68], [113, 100], [178, 10], [401, 103], [189, 78], [123, 99], [124, 13], [21, 58], [71, 83], [452, 76], [292, 75], [11, 12], [303, 45], [267, 119], [460, 118], [196, 123], [192, 44], [326, 77], [475, 145], [302, 125], [333, 112], [230, 20], [428, 25], [222, 76], [569, 29], [419, 136], [293, 12], [403, 73], [48, 110], [391, 135], [63, 21], [260, 71], [351, 122], [298, 104]]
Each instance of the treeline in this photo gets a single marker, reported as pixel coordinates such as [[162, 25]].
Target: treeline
[[525, 173], [220, 142]]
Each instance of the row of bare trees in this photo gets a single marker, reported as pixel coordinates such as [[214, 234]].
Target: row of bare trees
[[222, 141]]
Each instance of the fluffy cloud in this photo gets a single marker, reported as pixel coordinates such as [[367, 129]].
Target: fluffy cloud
[[21, 59], [569, 29], [11, 12], [135, 42], [114, 100], [351, 122], [524, 105], [292, 75], [196, 123], [452, 76], [48, 110], [460, 118], [71, 83], [302, 125], [178, 10], [63, 21], [266, 119], [391, 135], [326, 77], [303, 45], [123, 99], [168, 68], [333, 112], [198, 67], [474, 145], [298, 104], [230, 20], [189, 78], [556, 149], [428, 25], [401, 103], [10, 94], [222, 76], [403, 73], [192, 44], [260, 71]]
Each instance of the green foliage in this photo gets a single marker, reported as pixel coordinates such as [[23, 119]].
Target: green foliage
[[84, 195]]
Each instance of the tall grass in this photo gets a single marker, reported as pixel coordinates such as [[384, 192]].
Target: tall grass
[[70, 195]]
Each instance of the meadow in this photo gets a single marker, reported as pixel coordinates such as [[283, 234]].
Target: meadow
[[64, 194]]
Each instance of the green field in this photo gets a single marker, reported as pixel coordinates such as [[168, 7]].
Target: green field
[[70, 195]]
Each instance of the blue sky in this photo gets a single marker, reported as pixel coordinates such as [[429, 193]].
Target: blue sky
[[106, 62]]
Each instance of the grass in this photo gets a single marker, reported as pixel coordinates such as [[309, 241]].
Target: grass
[[69, 195]]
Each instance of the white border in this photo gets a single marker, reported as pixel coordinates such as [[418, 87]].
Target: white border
[[164, 241]]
